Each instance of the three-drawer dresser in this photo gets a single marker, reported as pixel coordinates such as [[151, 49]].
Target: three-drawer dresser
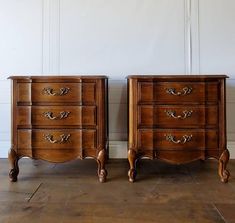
[[58, 119], [178, 119]]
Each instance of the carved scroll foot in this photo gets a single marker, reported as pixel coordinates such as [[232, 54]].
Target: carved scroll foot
[[13, 159], [223, 161], [132, 175], [132, 162], [102, 172]]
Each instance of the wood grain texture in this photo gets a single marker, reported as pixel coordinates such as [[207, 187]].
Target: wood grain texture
[[56, 92], [177, 92], [177, 118], [58, 119], [176, 139], [190, 116], [82, 116]]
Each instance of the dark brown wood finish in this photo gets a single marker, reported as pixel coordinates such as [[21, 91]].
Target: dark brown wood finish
[[177, 118], [59, 118]]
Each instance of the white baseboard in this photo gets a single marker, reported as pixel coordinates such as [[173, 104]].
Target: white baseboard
[[231, 148], [117, 149]]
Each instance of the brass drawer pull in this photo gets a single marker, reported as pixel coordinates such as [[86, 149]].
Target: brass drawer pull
[[183, 140], [63, 115], [61, 92], [186, 114], [63, 138], [185, 91]]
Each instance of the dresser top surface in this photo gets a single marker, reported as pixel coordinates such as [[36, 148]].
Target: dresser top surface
[[177, 77], [58, 77]]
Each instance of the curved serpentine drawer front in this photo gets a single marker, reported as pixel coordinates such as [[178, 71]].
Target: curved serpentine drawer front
[[56, 92], [174, 139], [56, 139], [81, 116], [177, 93], [187, 116]]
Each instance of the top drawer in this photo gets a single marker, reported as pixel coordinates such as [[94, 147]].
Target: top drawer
[[177, 92], [56, 92]]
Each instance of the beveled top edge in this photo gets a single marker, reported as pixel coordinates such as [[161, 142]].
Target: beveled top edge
[[80, 76], [175, 76]]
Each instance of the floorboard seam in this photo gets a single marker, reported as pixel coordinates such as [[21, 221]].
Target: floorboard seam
[[34, 192], [219, 212]]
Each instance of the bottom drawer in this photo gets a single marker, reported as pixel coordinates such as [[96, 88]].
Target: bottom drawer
[[177, 139], [180, 157], [57, 155], [56, 139]]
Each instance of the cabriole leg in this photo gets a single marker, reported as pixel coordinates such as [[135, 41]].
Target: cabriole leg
[[132, 161], [223, 161], [13, 159], [102, 172]]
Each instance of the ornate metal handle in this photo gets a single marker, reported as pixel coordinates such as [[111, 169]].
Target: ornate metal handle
[[183, 140], [62, 115], [50, 91], [186, 114], [186, 90], [63, 138]]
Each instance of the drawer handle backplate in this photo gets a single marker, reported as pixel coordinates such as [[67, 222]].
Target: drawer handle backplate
[[50, 91], [63, 138], [185, 91], [183, 140], [186, 114], [63, 115]]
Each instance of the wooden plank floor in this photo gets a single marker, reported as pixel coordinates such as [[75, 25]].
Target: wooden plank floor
[[70, 192]]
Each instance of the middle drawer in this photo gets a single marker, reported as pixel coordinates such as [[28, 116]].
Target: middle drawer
[[56, 139], [56, 115], [177, 116]]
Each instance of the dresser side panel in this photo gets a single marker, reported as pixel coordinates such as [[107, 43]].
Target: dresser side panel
[[132, 108]]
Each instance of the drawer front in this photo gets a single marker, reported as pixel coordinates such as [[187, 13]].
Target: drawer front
[[56, 115], [56, 139], [177, 116], [177, 139], [56, 92], [180, 156], [176, 156], [176, 93], [57, 155]]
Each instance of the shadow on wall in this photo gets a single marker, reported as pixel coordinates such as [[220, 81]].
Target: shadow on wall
[[118, 110], [230, 109]]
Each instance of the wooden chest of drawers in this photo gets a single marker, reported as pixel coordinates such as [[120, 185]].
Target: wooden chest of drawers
[[177, 118], [59, 118]]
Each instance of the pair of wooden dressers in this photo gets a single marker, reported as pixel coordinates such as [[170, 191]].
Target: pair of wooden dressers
[[176, 118]]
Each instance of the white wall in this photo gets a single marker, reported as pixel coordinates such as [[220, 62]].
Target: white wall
[[116, 38]]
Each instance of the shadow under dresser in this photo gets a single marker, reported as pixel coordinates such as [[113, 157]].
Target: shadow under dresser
[[178, 119], [58, 119]]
